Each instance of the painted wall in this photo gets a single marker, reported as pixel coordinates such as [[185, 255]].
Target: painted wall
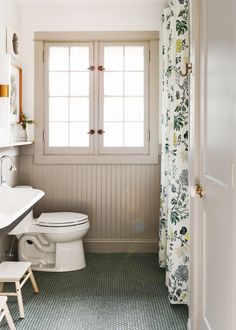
[[9, 15], [72, 17], [122, 201]]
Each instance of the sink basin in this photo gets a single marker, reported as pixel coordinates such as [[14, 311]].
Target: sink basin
[[14, 203]]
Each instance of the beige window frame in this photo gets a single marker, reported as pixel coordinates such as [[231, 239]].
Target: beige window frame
[[96, 153]]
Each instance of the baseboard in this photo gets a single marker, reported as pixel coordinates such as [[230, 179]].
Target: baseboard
[[120, 246]]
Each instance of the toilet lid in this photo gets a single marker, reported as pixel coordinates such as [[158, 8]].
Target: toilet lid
[[61, 219]]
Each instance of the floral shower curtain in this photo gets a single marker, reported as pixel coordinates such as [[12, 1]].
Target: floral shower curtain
[[174, 212]]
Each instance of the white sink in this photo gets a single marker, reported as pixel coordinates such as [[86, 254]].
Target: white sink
[[15, 202]]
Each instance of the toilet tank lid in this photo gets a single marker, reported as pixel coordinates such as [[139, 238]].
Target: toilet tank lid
[[61, 218]]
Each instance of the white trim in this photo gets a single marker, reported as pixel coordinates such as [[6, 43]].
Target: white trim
[[121, 246], [96, 35], [195, 242]]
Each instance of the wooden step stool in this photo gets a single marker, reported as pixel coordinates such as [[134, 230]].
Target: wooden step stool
[[14, 272], [4, 311]]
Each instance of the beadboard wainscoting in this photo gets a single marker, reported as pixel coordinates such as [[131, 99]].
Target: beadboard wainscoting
[[122, 201]]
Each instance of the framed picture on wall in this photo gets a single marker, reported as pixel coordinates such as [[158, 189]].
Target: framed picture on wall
[[12, 42], [15, 94]]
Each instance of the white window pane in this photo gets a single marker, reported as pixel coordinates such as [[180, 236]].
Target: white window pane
[[58, 59], [79, 136], [79, 109], [134, 58], [133, 136], [134, 83], [58, 109], [79, 58], [134, 108], [113, 136], [113, 109], [79, 84], [58, 84], [113, 58], [113, 83], [58, 134]]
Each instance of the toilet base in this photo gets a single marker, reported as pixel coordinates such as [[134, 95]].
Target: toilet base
[[64, 257], [69, 257]]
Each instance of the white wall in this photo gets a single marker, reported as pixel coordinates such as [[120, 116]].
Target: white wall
[[83, 17], [122, 201], [9, 15]]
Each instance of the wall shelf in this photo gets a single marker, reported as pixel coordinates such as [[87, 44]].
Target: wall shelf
[[15, 144]]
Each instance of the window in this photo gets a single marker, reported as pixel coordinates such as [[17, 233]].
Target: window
[[124, 97], [69, 102], [98, 98]]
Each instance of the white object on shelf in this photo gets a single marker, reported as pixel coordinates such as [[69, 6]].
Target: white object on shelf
[[24, 134]]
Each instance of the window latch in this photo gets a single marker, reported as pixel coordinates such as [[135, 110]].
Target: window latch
[[91, 68], [101, 131], [91, 131], [101, 68]]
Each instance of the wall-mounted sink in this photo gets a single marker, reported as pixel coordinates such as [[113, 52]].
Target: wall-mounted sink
[[15, 204]]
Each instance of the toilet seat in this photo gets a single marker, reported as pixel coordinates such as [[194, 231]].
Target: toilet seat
[[61, 219]]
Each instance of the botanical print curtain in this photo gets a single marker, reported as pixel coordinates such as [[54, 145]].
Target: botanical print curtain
[[174, 212]]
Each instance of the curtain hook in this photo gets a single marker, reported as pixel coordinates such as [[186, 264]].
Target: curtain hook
[[189, 69]]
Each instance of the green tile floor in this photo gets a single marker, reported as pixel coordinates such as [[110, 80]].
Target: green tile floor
[[114, 292]]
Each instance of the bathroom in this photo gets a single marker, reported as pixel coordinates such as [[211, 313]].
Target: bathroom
[[114, 189]]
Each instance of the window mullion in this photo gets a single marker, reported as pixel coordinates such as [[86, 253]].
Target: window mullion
[[69, 97], [97, 109], [123, 96]]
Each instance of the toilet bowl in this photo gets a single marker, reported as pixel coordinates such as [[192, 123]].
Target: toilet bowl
[[52, 242]]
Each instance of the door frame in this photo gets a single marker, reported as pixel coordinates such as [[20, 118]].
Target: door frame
[[195, 307]]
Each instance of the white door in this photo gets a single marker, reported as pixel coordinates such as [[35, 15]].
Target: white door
[[216, 166]]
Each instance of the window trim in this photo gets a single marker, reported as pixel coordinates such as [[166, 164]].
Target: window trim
[[53, 37]]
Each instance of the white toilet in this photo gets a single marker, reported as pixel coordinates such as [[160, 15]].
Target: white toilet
[[52, 242]]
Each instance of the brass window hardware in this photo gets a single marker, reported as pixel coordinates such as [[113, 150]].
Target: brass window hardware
[[101, 68], [91, 68], [91, 132], [189, 69], [199, 190], [101, 131]]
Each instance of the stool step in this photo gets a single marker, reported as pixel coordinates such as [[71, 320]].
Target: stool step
[[4, 311], [18, 272], [11, 271]]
